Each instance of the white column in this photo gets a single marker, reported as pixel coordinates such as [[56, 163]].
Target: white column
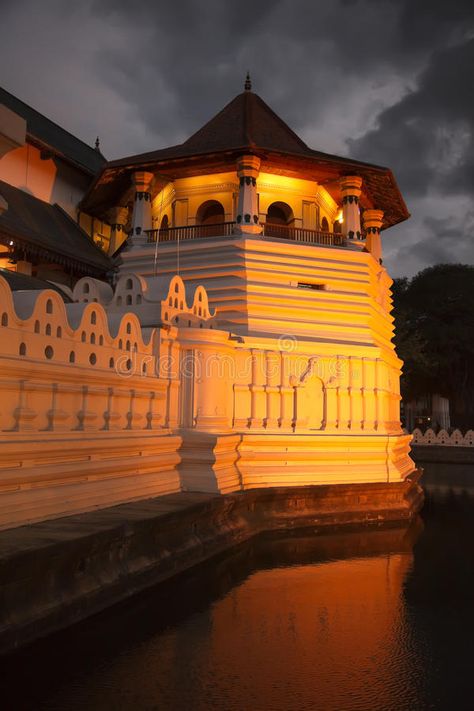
[[247, 209], [351, 190], [119, 217], [141, 218], [373, 220]]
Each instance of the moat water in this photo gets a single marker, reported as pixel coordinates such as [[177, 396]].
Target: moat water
[[373, 620]]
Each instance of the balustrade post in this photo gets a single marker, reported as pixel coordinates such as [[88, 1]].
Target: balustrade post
[[141, 218], [248, 168], [351, 189], [119, 218], [373, 220]]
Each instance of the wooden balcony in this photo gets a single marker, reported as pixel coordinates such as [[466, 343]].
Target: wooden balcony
[[226, 229]]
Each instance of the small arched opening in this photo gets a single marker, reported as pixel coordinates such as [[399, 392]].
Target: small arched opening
[[324, 225], [209, 216], [280, 218]]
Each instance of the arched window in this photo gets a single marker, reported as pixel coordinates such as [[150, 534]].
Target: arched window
[[279, 213], [85, 288], [49, 306], [72, 357], [324, 225], [59, 332], [93, 318], [22, 350], [279, 218], [337, 227], [164, 224], [4, 319], [129, 284], [209, 215], [129, 299]]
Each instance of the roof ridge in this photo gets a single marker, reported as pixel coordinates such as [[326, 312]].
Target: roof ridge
[[61, 128], [46, 132]]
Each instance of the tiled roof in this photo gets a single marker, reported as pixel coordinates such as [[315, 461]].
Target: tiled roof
[[47, 230], [54, 137], [245, 122]]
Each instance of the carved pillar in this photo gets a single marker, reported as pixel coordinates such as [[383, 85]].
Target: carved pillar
[[351, 189], [247, 209], [286, 393], [372, 224], [119, 218], [344, 414], [257, 389], [273, 375], [356, 394], [141, 218]]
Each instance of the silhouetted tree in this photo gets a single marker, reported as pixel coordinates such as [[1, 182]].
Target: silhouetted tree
[[434, 321]]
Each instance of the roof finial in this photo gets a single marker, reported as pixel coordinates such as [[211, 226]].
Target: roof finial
[[97, 144], [248, 83]]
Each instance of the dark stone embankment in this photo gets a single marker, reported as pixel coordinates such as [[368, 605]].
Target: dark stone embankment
[[439, 454], [55, 573]]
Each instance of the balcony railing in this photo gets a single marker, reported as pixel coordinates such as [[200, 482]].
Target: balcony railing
[[226, 229], [173, 234], [300, 234]]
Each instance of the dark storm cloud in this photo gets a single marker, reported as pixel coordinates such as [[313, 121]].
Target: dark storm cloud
[[199, 52], [427, 137]]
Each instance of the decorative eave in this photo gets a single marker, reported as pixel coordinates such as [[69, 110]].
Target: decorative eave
[[246, 125], [380, 187], [35, 252]]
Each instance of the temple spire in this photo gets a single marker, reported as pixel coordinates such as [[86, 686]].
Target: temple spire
[[248, 83], [97, 144]]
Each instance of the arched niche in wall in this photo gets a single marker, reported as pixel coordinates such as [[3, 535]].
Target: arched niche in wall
[[210, 212], [280, 213], [324, 225]]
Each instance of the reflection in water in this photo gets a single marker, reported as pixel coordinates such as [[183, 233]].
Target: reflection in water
[[371, 620]]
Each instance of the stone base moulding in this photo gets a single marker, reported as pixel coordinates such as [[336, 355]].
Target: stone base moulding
[[58, 572]]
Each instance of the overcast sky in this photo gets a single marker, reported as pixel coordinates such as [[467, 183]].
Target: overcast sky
[[385, 81]]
